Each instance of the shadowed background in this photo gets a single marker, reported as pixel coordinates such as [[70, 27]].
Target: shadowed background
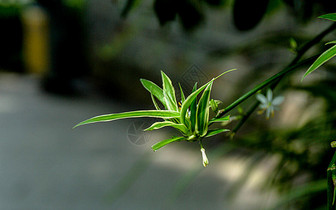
[[62, 62]]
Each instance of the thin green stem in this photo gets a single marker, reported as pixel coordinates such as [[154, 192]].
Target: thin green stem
[[201, 144], [262, 85], [245, 117], [300, 53], [331, 172], [312, 42]]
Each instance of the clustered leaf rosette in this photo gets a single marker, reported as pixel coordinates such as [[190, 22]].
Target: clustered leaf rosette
[[190, 116]]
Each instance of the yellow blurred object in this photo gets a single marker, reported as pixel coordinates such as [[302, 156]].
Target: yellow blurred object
[[36, 40]]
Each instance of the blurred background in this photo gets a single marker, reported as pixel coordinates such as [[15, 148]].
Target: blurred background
[[63, 61]]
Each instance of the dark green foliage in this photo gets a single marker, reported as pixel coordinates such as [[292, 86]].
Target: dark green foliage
[[302, 152], [129, 5], [165, 10], [301, 9], [190, 13], [11, 37], [306, 10], [215, 2], [247, 14]]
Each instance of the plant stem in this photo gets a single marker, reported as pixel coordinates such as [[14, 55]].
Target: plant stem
[[331, 171], [293, 63], [245, 117], [312, 42], [262, 85]]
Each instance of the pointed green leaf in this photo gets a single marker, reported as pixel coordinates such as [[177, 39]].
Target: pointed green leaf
[[223, 119], [154, 90], [330, 16], [331, 42], [182, 94], [224, 73], [189, 100], [169, 92], [133, 114], [170, 103], [192, 96], [187, 123], [159, 125], [154, 102], [192, 110], [202, 113], [165, 142], [327, 55], [215, 132]]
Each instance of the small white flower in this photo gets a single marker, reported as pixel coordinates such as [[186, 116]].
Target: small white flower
[[268, 104], [205, 159]]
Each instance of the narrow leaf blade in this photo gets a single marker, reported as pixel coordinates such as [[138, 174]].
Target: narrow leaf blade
[[331, 42], [228, 71], [154, 90], [215, 132], [182, 94], [163, 143], [159, 125], [169, 92], [330, 16], [193, 108], [133, 114], [192, 96], [327, 55], [189, 100], [171, 105], [202, 114], [154, 102], [222, 119]]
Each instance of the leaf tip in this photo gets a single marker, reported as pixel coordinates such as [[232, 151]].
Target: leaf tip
[[77, 125], [303, 77], [224, 73]]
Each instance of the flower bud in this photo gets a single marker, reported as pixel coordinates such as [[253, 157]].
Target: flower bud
[[205, 159]]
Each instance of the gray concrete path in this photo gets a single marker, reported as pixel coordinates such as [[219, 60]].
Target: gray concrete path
[[45, 164]]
